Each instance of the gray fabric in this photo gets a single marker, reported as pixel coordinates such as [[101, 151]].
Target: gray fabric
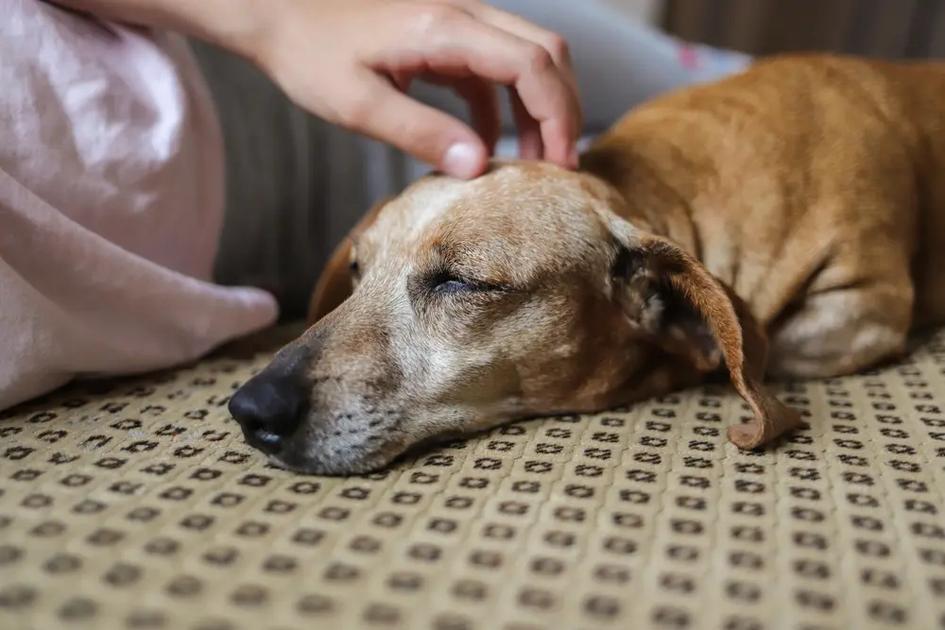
[[295, 185]]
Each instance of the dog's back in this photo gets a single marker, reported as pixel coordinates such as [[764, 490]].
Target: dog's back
[[805, 184]]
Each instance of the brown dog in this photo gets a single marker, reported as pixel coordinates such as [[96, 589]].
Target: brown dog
[[800, 205]]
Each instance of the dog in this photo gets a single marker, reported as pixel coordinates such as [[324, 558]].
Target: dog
[[787, 221]]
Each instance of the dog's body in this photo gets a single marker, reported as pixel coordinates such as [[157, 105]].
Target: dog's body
[[802, 201], [813, 187]]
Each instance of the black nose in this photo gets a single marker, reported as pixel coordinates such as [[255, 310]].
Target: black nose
[[268, 409]]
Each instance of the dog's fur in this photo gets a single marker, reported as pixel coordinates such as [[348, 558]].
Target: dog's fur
[[799, 206]]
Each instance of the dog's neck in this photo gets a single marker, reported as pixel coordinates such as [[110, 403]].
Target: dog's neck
[[648, 200]]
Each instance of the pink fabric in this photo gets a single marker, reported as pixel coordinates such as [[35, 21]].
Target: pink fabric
[[111, 204]]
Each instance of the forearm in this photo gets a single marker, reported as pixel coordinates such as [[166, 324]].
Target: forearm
[[232, 24]]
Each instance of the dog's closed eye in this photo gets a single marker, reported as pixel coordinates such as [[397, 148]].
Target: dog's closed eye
[[446, 282], [452, 285]]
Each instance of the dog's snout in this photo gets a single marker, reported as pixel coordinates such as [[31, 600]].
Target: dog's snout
[[268, 408]]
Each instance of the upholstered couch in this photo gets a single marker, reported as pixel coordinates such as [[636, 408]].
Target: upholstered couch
[[134, 503]]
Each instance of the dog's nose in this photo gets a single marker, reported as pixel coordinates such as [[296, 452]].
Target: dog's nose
[[268, 409]]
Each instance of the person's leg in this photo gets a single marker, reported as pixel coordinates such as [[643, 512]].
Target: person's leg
[[110, 205], [621, 61]]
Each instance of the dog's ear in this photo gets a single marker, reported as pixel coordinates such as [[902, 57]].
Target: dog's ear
[[336, 282], [672, 299]]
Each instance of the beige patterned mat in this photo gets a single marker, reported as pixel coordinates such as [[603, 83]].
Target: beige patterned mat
[[135, 504]]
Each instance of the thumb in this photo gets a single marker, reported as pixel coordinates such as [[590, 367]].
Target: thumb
[[424, 132]]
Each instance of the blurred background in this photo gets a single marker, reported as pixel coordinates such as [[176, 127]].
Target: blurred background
[[878, 28], [296, 185]]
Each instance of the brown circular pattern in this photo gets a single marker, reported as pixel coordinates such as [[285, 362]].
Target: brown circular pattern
[[135, 504]]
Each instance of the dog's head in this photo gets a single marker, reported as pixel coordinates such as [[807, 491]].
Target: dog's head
[[461, 304]]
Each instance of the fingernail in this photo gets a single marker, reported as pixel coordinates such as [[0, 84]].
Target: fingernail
[[462, 160]]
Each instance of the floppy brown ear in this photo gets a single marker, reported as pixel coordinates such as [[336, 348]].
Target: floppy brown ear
[[335, 282], [670, 295]]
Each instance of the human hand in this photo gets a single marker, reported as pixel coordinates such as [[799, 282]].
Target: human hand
[[351, 62]]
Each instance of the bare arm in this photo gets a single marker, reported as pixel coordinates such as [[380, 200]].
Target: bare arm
[[230, 24], [351, 62]]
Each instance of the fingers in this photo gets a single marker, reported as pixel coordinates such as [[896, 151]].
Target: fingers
[[530, 145], [480, 97], [557, 48], [470, 47], [544, 90], [386, 114], [483, 108], [554, 43]]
